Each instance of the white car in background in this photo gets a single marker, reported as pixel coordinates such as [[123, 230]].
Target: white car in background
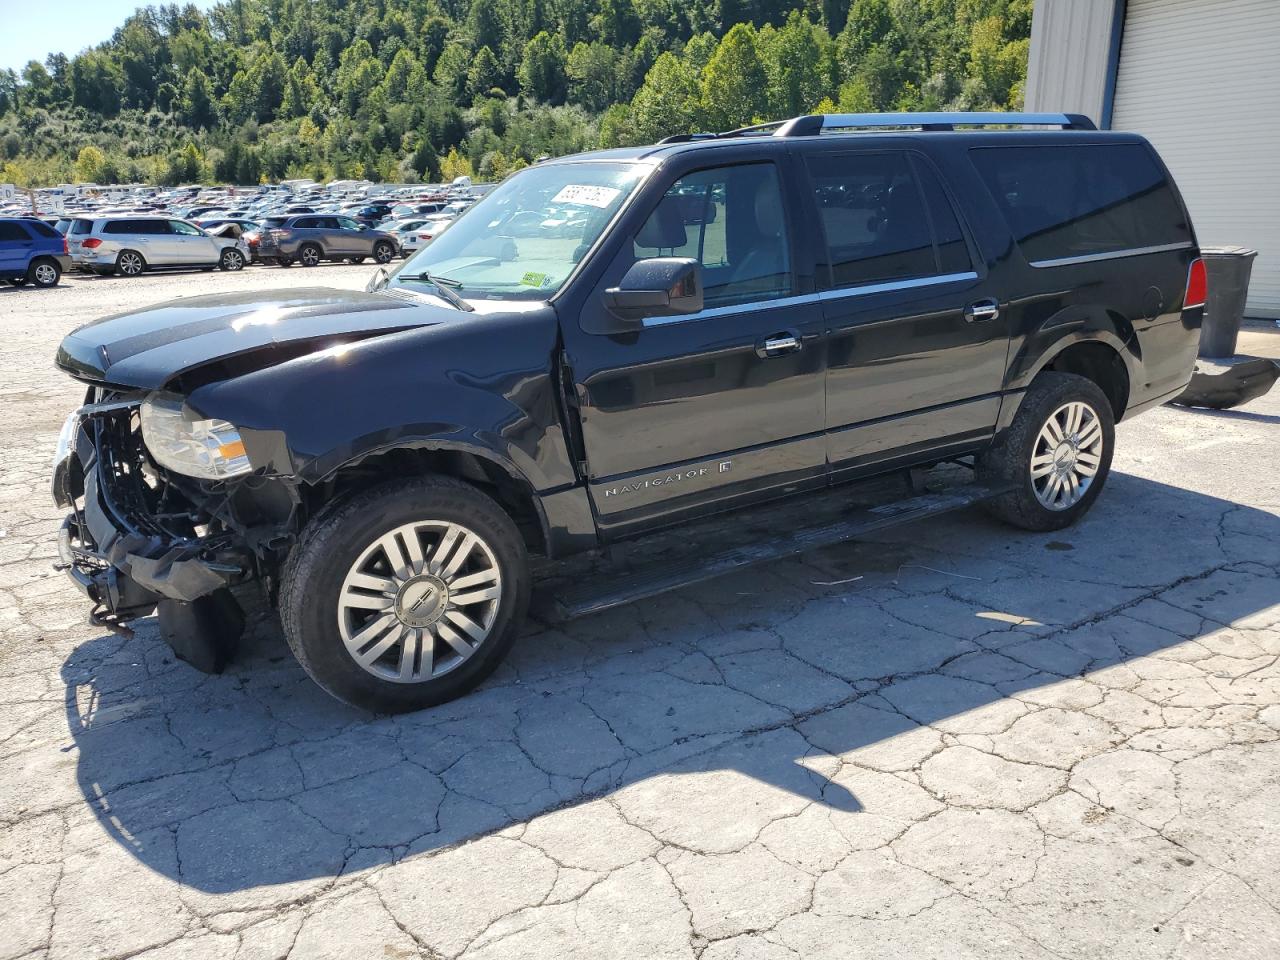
[[414, 233]]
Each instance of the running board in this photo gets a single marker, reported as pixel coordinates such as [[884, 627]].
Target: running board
[[586, 593]]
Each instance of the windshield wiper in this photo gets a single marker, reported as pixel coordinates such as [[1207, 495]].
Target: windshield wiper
[[444, 287]]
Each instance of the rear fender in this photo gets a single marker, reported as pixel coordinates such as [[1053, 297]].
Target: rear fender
[[1070, 326]]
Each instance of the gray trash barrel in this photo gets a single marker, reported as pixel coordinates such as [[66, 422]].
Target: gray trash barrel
[[1227, 270]]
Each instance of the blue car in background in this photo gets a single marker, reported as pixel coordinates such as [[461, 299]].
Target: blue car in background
[[31, 251]]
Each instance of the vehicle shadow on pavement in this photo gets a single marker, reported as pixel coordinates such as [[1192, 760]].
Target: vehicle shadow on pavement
[[820, 677]]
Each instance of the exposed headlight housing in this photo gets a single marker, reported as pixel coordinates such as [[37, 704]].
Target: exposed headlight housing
[[208, 449]]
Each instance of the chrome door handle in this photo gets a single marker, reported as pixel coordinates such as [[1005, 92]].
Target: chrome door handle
[[982, 311], [778, 345]]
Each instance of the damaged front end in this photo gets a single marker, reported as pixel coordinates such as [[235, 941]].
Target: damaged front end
[[140, 538]]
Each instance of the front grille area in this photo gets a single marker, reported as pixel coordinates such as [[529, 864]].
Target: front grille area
[[139, 498]]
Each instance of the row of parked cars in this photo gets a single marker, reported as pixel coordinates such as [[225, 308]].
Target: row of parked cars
[[223, 231]]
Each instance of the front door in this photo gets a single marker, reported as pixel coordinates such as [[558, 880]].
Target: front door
[[918, 337], [688, 413], [15, 249], [190, 244]]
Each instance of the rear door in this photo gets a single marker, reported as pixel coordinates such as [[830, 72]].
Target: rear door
[[918, 337], [687, 414]]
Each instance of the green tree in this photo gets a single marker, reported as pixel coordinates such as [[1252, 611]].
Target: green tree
[[197, 101], [89, 165], [667, 102], [484, 75], [542, 69], [734, 83]]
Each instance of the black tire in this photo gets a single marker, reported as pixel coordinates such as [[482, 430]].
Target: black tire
[[231, 260], [384, 252], [130, 263], [1009, 460], [18, 281], [310, 255], [355, 260], [338, 536]]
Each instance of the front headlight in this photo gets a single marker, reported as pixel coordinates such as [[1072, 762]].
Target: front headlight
[[208, 449]]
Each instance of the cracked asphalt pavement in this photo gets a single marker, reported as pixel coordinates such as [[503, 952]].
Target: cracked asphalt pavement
[[993, 744]]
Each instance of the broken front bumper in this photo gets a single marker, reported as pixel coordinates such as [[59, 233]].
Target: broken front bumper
[[124, 553]]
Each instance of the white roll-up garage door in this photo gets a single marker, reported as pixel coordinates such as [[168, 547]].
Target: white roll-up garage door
[[1201, 80]]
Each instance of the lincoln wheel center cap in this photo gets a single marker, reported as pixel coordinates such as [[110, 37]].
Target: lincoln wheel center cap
[[1064, 456], [421, 601]]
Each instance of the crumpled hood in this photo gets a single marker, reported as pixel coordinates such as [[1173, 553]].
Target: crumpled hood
[[148, 348]]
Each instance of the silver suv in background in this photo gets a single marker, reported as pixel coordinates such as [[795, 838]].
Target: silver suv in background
[[310, 238], [133, 244]]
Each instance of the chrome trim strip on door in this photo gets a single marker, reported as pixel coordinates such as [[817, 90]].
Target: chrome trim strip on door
[[895, 285], [1111, 255], [860, 291]]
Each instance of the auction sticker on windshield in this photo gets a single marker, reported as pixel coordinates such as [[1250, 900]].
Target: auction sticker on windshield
[[587, 195]]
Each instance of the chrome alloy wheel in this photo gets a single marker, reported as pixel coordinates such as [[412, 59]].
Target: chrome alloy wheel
[[419, 601], [310, 256], [1067, 455], [130, 264], [46, 274]]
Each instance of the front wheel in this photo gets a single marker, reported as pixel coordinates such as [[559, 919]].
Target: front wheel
[[1056, 453], [407, 595]]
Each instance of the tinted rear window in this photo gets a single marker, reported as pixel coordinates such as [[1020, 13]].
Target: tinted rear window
[[12, 233], [42, 228], [1071, 201], [82, 226]]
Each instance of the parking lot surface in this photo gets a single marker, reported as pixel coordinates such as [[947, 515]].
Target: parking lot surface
[[955, 741]]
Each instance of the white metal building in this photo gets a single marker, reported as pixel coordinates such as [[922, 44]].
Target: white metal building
[[1201, 80]]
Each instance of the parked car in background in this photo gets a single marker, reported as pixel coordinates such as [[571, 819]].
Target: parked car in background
[[134, 244], [311, 238], [373, 213], [32, 252], [414, 232]]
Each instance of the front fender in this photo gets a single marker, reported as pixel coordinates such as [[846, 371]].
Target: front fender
[[481, 384]]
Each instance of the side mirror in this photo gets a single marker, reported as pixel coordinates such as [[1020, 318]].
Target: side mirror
[[657, 287]]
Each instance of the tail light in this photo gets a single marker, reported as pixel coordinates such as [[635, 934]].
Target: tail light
[[424, 236], [1197, 285], [93, 243], [65, 249]]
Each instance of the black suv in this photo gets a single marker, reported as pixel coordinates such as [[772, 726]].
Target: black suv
[[673, 331]]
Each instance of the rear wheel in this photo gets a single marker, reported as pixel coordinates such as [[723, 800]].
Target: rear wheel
[[231, 260], [1057, 453], [44, 273], [384, 252], [309, 255], [407, 595], [130, 263]]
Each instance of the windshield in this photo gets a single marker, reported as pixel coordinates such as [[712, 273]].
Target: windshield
[[523, 239]]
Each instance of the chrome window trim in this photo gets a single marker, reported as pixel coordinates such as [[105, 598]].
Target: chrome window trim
[[1111, 255], [891, 285], [858, 291]]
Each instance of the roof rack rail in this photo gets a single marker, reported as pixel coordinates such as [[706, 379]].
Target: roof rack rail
[[688, 137], [811, 125]]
